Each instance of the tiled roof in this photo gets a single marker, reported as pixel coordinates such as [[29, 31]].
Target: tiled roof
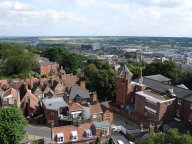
[[54, 103], [10, 91], [105, 106], [76, 90], [125, 70], [158, 77], [96, 108], [75, 106], [66, 130]]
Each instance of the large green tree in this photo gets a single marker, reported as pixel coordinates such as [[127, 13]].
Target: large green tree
[[16, 60], [13, 125], [70, 61], [100, 78], [170, 137], [166, 68]]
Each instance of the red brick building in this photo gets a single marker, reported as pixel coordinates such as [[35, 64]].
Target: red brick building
[[153, 98], [45, 66]]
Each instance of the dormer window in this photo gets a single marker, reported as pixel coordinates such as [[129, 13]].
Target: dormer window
[[88, 133], [179, 101], [105, 131], [74, 135], [60, 138]]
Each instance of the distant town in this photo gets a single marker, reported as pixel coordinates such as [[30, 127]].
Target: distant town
[[95, 90]]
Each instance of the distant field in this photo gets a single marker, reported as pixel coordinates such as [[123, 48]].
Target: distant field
[[56, 39]]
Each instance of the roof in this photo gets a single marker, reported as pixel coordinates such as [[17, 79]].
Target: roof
[[54, 103], [154, 97], [158, 77], [75, 106], [102, 124], [182, 86], [76, 90], [105, 106], [96, 108], [124, 70], [163, 87], [10, 91], [67, 130]]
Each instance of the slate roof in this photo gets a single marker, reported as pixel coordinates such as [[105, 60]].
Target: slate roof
[[54, 103], [162, 87], [102, 124], [158, 77], [76, 90], [105, 106], [125, 70]]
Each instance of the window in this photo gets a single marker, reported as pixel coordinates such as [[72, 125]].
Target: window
[[5, 102], [179, 101], [105, 131], [74, 135], [88, 133], [178, 113], [190, 117], [52, 114], [60, 138], [94, 116], [107, 113], [191, 106]]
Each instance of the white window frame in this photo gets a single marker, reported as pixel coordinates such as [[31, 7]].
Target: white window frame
[[105, 131], [94, 116]]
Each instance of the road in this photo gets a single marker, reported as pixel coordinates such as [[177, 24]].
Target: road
[[40, 131]]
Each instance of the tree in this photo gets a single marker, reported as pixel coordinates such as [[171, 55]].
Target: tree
[[166, 68], [16, 60], [170, 137], [13, 125], [100, 78]]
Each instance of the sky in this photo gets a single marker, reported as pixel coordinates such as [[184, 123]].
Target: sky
[[96, 18]]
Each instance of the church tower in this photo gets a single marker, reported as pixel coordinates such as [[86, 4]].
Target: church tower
[[123, 86]]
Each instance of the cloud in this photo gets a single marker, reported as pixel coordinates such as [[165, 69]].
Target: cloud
[[17, 6]]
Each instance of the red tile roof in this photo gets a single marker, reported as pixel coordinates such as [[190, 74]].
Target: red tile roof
[[66, 130], [96, 108], [75, 106]]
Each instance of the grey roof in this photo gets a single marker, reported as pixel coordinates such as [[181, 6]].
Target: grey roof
[[54, 103], [162, 87], [105, 106], [76, 90], [42, 63], [182, 86], [158, 77], [102, 124], [119, 136], [124, 70]]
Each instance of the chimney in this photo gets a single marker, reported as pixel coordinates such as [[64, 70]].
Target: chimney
[[31, 82], [94, 97], [61, 67], [51, 80], [18, 99], [83, 85], [26, 86], [140, 72], [141, 127]]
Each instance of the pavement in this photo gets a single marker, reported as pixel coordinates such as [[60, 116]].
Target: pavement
[[121, 121], [37, 131]]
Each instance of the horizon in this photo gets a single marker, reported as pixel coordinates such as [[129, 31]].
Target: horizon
[[95, 18]]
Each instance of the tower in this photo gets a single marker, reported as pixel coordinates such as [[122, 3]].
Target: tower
[[124, 87]]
